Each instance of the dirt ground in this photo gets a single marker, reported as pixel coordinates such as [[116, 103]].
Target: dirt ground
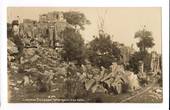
[[150, 96]]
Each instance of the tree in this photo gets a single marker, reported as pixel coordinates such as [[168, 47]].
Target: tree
[[116, 51], [73, 43], [76, 18], [134, 61], [73, 46], [101, 51], [145, 39]]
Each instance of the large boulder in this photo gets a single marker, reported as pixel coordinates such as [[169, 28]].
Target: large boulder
[[89, 83], [133, 81], [12, 48], [29, 55], [117, 88], [29, 52]]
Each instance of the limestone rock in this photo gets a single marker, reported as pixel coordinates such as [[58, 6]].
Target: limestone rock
[[12, 48], [89, 84]]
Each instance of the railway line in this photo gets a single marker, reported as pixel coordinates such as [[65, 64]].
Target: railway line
[[140, 92]]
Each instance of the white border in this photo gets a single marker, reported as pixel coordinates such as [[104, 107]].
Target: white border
[[85, 3]]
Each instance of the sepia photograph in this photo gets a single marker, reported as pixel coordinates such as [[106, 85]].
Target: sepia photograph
[[84, 54]]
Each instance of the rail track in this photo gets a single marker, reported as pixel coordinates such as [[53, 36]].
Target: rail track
[[140, 92]]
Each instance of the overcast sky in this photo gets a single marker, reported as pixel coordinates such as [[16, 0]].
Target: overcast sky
[[122, 23]]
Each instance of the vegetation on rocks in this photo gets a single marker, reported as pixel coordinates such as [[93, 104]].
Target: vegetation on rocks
[[74, 70]]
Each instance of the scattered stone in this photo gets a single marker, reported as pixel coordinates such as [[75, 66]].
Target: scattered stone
[[16, 88], [54, 90], [158, 90]]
